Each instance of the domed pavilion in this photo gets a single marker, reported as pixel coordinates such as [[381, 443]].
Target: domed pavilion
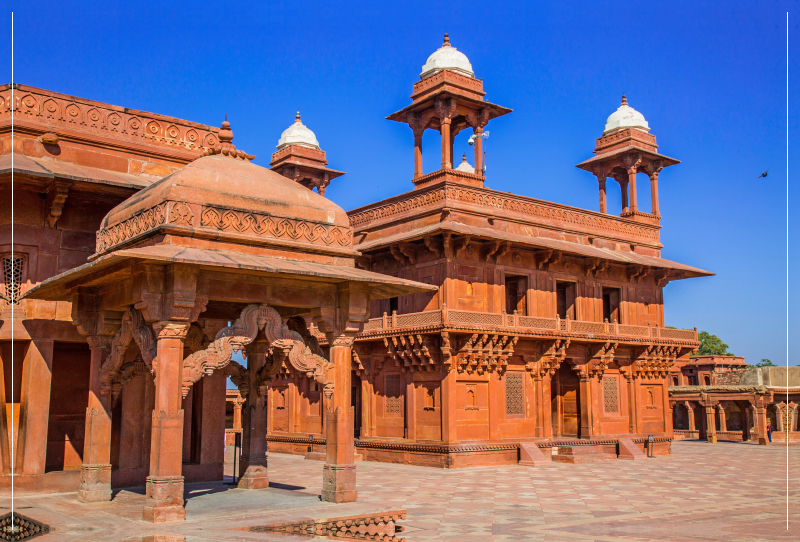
[[626, 148], [219, 257]]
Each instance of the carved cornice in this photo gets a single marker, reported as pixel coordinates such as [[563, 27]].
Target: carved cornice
[[550, 215], [59, 112]]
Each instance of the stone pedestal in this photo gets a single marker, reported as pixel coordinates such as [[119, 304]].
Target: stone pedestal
[[164, 499], [95, 483]]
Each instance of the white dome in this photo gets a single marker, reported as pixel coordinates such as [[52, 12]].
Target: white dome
[[298, 134], [625, 117], [464, 166], [447, 57]]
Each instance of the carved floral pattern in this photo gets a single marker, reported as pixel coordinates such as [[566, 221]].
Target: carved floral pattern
[[276, 227]]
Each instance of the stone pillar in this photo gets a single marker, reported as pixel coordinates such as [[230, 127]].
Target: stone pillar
[[602, 182], [547, 406], [723, 423], [339, 471], [237, 414], [478, 143], [539, 406], [411, 421], [761, 422], [447, 159], [5, 445], [632, 183], [449, 407], [632, 400], [164, 486], [690, 414], [253, 473], [95, 485], [623, 188], [417, 154], [585, 390], [37, 374], [654, 192], [711, 425]]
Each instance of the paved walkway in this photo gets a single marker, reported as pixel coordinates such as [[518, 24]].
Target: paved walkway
[[724, 491]]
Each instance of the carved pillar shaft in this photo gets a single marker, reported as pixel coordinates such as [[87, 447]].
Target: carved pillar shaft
[[417, 154], [449, 407], [723, 423], [632, 425], [623, 188], [547, 407], [447, 159], [690, 413], [95, 484], [164, 487], [237, 415], [586, 406], [478, 151], [744, 410], [538, 410], [602, 182], [761, 421], [632, 182], [253, 473], [654, 193], [711, 425], [339, 471]]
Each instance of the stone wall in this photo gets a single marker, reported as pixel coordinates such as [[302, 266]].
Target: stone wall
[[770, 376]]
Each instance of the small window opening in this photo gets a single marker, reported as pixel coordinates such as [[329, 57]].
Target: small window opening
[[565, 300]]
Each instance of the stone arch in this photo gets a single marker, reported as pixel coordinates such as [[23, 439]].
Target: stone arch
[[733, 417]]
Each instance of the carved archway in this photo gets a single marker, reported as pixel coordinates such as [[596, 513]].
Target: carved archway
[[285, 344], [135, 329]]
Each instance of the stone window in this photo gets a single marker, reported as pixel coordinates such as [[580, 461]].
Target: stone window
[[515, 394], [611, 394], [394, 394], [12, 277], [430, 398]]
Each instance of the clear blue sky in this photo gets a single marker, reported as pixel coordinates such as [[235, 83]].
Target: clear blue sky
[[708, 76]]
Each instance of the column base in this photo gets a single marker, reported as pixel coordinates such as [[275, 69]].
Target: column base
[[95, 483], [339, 483], [763, 441], [712, 439], [164, 500], [254, 473]]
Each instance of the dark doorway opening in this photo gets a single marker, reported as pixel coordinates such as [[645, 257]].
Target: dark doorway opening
[[565, 300], [516, 294], [611, 304]]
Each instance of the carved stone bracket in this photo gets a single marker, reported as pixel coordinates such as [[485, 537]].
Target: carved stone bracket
[[133, 328], [56, 197], [304, 361], [485, 352], [600, 357], [553, 357], [544, 258], [410, 353]]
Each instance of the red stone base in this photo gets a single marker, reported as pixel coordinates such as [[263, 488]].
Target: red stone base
[[339, 483], [254, 473], [95, 484], [164, 499]]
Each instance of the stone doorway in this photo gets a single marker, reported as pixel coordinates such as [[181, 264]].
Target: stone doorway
[[566, 403]]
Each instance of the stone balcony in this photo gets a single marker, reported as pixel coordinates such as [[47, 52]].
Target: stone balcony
[[533, 326]]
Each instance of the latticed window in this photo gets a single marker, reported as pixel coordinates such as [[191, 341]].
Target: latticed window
[[394, 394], [12, 277], [611, 394], [515, 394]]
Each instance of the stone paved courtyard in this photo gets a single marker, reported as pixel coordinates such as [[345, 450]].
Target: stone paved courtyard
[[727, 491]]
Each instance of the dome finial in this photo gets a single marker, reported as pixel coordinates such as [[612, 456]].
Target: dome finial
[[297, 117], [225, 133], [624, 99], [464, 158], [446, 40]]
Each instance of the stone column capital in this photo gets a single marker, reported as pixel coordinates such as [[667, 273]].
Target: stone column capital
[[167, 329]]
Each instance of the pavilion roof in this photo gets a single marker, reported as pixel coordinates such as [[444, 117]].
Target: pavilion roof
[[59, 288]]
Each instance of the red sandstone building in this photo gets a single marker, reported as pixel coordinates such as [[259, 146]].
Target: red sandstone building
[[463, 325], [547, 329]]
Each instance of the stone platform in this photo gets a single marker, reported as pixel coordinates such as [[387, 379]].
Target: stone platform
[[702, 492]]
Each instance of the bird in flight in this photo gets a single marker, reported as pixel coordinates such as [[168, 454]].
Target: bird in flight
[[763, 174]]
